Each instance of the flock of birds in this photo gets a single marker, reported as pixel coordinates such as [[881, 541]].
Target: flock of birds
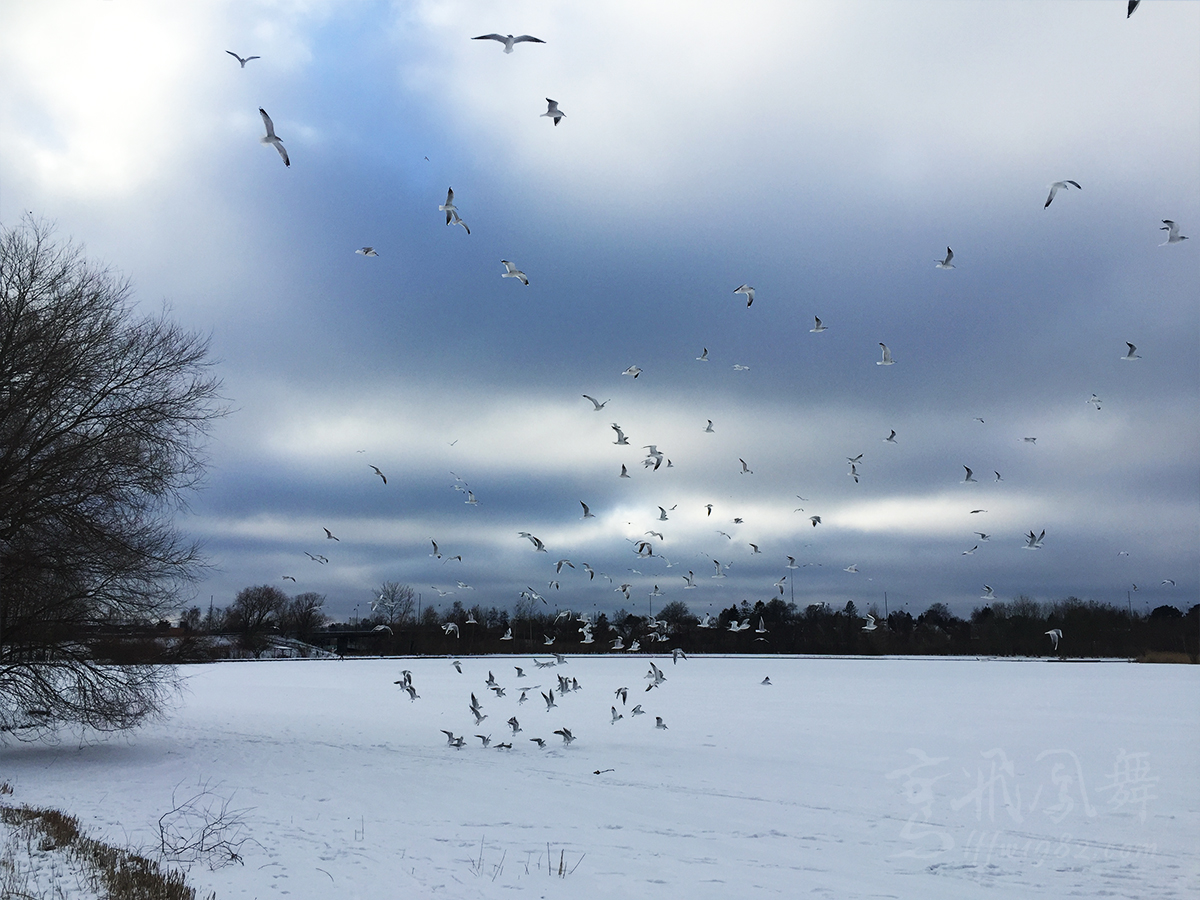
[[650, 544], [565, 686]]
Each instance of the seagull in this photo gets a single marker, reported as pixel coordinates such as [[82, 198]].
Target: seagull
[[1054, 189], [746, 470], [436, 553], [450, 738], [637, 711], [945, 263], [791, 563], [591, 572], [1133, 4], [366, 251], [766, 681], [891, 438], [970, 478], [853, 473], [1132, 354], [1034, 541], [662, 514], [1169, 581], [289, 578], [816, 520], [448, 207], [703, 357], [553, 111], [1033, 440], [596, 403], [441, 593], [854, 459], [457, 220], [1055, 635], [983, 537], [748, 291], [632, 370], [566, 734], [997, 474], [659, 723], [508, 40], [621, 439], [1095, 401], [471, 501], [513, 272], [690, 579], [537, 544], [708, 428], [870, 626], [974, 511], [329, 536], [242, 60], [740, 368], [457, 666], [887, 356], [271, 137], [450, 628], [380, 474], [988, 593], [624, 472], [754, 549], [615, 716], [719, 573], [541, 743], [587, 513], [970, 552], [479, 717], [818, 327], [1173, 235], [852, 569]]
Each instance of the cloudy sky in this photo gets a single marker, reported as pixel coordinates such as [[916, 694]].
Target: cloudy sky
[[826, 154]]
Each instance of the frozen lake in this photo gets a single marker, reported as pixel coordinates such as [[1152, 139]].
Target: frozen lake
[[911, 777]]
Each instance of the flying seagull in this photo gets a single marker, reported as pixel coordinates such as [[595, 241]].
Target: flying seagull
[[242, 60], [887, 356], [703, 357], [970, 477], [513, 272], [508, 40], [870, 626], [1133, 4], [708, 428], [272, 138], [748, 291], [448, 207], [945, 263], [330, 536], [1132, 354], [1034, 541], [818, 327], [632, 370], [1054, 188], [366, 251], [1173, 235], [596, 403], [456, 220], [816, 520], [1055, 635], [587, 513], [380, 474], [553, 111], [621, 439], [624, 472], [988, 593], [746, 470]]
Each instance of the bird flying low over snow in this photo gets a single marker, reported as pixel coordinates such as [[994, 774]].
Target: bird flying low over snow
[[1055, 635], [242, 60], [553, 111], [748, 291], [513, 272], [818, 327], [272, 138], [366, 251], [945, 263], [632, 370], [508, 40], [1060, 185], [1132, 354], [887, 356], [870, 626], [1173, 235]]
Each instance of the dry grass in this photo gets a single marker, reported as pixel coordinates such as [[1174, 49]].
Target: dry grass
[[116, 873]]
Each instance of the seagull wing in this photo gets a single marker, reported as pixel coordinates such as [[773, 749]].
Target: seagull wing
[[526, 38], [267, 122], [502, 38]]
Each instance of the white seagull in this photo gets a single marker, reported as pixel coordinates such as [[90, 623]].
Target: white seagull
[[1055, 635], [1173, 235], [596, 403], [448, 207], [271, 137], [242, 60], [513, 272], [748, 291], [1056, 186], [1132, 354], [621, 439], [887, 356], [703, 357], [458, 221], [891, 438], [746, 470], [708, 429], [632, 370], [988, 593], [970, 477], [587, 513], [870, 626], [553, 111], [818, 327], [945, 263], [509, 40], [366, 251], [1034, 541]]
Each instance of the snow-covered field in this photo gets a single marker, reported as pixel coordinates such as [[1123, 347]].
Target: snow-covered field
[[930, 778]]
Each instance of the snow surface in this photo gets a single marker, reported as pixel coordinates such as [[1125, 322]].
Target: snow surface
[[846, 777]]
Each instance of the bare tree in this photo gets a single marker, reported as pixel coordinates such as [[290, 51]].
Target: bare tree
[[254, 613], [303, 615], [396, 602], [102, 417]]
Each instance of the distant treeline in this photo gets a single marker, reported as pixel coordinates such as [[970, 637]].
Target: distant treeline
[[1017, 628]]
